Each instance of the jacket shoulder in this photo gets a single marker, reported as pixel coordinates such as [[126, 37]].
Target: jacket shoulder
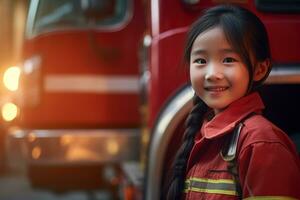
[[258, 129]]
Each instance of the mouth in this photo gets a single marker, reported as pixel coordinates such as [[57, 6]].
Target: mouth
[[216, 88]]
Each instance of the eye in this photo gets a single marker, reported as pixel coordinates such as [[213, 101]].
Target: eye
[[200, 61], [229, 60]]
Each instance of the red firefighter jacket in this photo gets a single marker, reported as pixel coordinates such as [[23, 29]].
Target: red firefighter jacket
[[267, 161]]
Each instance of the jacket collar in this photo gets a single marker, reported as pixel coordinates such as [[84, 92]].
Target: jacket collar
[[226, 120]]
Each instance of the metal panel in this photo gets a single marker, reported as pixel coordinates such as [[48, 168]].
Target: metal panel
[[71, 147], [171, 116]]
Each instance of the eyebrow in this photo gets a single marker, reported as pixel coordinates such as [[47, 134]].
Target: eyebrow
[[202, 51], [198, 51], [227, 50]]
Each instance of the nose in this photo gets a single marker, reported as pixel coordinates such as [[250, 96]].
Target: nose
[[214, 72]]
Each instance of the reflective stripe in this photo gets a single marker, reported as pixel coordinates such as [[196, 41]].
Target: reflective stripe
[[212, 186], [91, 84], [269, 198]]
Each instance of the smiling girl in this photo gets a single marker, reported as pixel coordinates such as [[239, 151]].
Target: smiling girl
[[229, 150]]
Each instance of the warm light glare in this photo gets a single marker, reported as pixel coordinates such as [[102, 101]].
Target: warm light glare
[[9, 111], [11, 78], [31, 137], [112, 147], [65, 140], [36, 152]]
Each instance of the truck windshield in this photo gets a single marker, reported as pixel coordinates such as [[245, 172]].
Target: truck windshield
[[52, 15]]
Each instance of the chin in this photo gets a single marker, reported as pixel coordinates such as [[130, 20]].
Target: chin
[[217, 108]]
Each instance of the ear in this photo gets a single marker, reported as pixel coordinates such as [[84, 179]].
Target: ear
[[261, 70]]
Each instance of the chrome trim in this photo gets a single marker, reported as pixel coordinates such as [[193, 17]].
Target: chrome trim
[[71, 147], [30, 18], [155, 17], [282, 74], [144, 69], [171, 116]]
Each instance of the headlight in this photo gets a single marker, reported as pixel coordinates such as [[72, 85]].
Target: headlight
[[9, 111], [11, 78]]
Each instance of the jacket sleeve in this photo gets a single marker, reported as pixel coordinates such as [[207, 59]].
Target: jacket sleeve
[[269, 170]]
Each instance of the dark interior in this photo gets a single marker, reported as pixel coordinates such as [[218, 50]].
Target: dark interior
[[283, 107]]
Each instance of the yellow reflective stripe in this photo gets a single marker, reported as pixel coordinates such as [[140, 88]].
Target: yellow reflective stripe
[[211, 191], [212, 186], [269, 198], [212, 180]]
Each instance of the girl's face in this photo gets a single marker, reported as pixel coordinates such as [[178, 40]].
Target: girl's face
[[218, 75]]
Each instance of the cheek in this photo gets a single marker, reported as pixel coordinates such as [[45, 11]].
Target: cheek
[[197, 78], [240, 80]]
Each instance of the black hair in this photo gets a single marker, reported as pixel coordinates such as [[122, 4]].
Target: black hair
[[243, 30], [248, 36], [179, 166]]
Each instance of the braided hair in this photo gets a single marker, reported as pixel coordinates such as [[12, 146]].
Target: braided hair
[[193, 124], [248, 36]]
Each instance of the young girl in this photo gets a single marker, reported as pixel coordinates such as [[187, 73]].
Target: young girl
[[230, 151]]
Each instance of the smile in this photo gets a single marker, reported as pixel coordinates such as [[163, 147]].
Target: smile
[[216, 89]]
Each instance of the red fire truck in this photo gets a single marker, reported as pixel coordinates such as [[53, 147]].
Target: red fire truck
[[170, 95], [72, 106]]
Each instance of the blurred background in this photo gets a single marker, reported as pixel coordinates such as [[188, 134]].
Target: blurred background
[[58, 139], [12, 22], [12, 19]]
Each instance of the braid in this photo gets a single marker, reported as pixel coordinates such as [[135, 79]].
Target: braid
[[193, 124]]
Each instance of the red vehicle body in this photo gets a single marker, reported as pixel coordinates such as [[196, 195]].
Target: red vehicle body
[[78, 95], [170, 95]]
